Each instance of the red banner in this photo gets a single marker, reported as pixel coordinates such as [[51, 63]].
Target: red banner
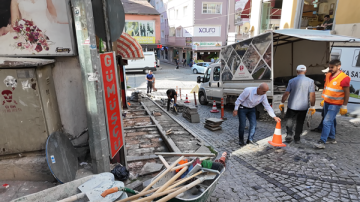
[[112, 102]]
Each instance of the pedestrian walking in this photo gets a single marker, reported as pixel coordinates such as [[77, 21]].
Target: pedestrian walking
[[301, 89], [171, 93], [336, 96], [245, 107], [320, 126], [177, 63], [184, 62], [150, 77]]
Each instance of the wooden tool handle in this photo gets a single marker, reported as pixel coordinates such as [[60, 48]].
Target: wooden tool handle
[[162, 175], [184, 180], [179, 191], [187, 164], [164, 161], [175, 177], [109, 191], [138, 195], [73, 198], [149, 198]]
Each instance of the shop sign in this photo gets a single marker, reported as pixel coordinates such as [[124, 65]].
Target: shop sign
[[207, 30], [218, 44], [143, 31], [188, 41], [239, 8], [32, 33], [112, 102]]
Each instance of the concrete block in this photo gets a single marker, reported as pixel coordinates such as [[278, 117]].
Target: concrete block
[[150, 168]]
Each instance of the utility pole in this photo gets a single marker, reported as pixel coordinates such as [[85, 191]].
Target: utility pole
[[91, 74]]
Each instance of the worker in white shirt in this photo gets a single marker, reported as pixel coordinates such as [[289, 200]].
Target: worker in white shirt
[[245, 107]]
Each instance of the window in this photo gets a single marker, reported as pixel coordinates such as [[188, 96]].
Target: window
[[171, 13], [184, 11], [172, 31], [216, 75], [162, 33], [211, 8], [207, 75], [157, 6], [161, 4], [178, 32], [177, 14], [199, 64], [161, 18]]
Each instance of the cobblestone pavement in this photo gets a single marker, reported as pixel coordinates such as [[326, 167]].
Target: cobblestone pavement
[[298, 172]]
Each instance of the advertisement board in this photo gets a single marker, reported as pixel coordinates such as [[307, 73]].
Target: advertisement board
[[36, 28], [239, 8], [188, 31], [143, 31], [208, 30], [188, 41], [112, 101], [207, 45]]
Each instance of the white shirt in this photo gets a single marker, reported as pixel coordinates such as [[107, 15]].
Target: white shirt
[[249, 98]]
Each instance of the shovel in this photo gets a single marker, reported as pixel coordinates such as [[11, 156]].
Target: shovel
[[309, 121]]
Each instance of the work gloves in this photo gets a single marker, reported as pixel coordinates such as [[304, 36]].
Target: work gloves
[[343, 110], [174, 104], [281, 106], [312, 110], [322, 103]]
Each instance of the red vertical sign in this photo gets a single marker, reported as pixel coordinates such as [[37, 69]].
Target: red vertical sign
[[112, 102]]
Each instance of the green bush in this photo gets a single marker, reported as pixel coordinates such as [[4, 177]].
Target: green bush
[[197, 61]]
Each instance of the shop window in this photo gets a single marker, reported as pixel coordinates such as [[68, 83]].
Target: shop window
[[211, 8], [317, 15], [216, 74], [162, 33]]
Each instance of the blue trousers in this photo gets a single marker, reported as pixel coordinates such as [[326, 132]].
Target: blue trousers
[[330, 112], [250, 114], [321, 123]]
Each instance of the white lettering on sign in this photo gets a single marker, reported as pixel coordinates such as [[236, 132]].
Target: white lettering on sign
[[207, 30], [107, 61]]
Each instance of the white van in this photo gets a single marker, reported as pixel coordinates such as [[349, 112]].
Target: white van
[[146, 64], [350, 64]]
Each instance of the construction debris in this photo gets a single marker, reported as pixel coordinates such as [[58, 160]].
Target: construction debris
[[155, 113], [136, 96], [168, 132], [213, 124], [150, 168], [190, 113]]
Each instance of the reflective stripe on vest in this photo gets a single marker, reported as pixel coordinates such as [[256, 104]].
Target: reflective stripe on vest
[[333, 91]]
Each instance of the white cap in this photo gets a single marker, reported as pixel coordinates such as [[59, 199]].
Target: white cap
[[301, 68], [325, 70]]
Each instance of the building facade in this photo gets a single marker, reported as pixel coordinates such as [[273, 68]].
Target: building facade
[[192, 29], [142, 21]]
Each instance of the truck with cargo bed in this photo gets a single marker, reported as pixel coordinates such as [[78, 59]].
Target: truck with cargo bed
[[269, 58]]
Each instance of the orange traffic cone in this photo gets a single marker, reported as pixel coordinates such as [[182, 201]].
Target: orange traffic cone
[[187, 100], [214, 108], [277, 138]]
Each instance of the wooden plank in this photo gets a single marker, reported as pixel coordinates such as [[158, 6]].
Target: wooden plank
[[137, 127]]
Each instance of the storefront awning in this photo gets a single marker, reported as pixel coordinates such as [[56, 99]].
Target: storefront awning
[[129, 48], [9, 62], [286, 36]]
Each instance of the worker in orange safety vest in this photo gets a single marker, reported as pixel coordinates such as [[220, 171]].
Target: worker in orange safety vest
[[336, 96]]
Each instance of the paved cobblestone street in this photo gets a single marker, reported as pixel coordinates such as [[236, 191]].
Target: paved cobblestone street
[[298, 172]]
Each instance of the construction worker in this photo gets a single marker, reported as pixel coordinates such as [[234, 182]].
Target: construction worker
[[171, 93], [300, 89], [150, 79], [320, 126], [336, 96], [245, 107]]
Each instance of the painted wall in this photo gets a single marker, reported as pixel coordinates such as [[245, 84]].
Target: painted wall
[[148, 17], [347, 18], [70, 96], [288, 12]]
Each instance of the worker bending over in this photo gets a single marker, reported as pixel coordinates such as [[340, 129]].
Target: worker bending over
[[171, 94]]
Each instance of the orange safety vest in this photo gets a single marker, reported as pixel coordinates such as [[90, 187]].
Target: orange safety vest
[[333, 92]]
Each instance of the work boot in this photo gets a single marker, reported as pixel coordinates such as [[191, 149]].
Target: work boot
[[331, 141], [288, 138], [320, 145]]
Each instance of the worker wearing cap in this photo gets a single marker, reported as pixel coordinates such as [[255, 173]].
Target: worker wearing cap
[[171, 93], [320, 126], [336, 96], [301, 89]]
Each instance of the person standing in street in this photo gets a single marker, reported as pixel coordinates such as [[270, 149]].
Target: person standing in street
[[171, 94], [245, 107], [320, 126], [150, 77], [184, 62], [336, 96], [301, 89]]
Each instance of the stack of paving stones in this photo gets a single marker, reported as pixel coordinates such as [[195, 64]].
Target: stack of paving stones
[[213, 124], [191, 114]]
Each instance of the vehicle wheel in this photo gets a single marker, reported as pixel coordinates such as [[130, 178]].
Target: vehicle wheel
[[195, 71], [202, 99], [146, 71]]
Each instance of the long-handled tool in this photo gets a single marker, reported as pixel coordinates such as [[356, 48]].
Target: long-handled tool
[[309, 121], [208, 176]]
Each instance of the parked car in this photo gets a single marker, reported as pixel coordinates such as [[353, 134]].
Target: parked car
[[200, 67]]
